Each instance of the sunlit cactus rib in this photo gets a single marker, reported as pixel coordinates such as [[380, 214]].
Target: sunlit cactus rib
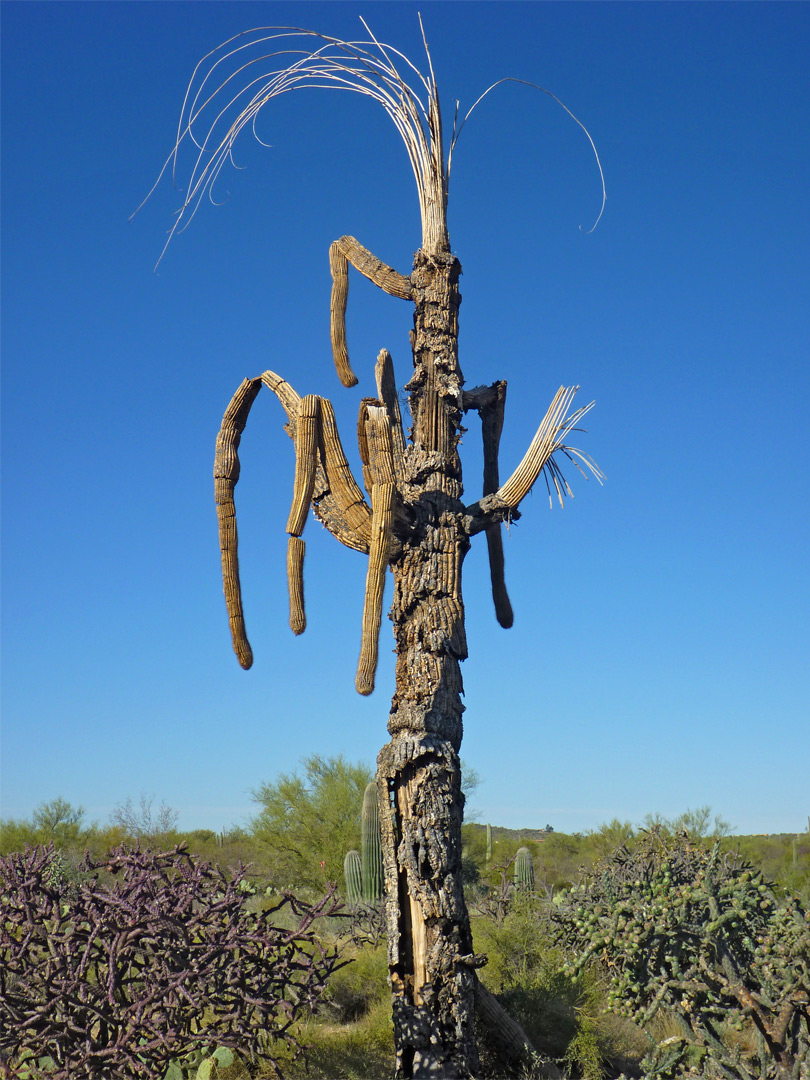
[[417, 523], [295, 582]]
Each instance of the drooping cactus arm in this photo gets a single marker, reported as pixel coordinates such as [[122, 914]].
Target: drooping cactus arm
[[226, 476], [502, 504], [342, 252], [341, 506], [491, 427], [490, 402], [307, 438], [296, 549], [378, 556], [337, 499], [379, 467], [307, 430]]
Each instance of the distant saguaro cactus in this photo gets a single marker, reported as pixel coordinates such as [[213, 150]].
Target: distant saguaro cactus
[[524, 869], [371, 848], [411, 518], [353, 876]]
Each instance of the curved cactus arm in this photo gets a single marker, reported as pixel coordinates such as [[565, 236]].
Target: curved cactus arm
[[387, 393], [342, 252], [339, 266], [338, 501], [226, 476], [340, 506], [378, 556]]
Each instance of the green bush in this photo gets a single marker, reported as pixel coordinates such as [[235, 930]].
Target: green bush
[[691, 931]]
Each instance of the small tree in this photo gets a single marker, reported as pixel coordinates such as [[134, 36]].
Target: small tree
[[149, 956], [308, 822], [58, 820], [141, 822], [410, 519]]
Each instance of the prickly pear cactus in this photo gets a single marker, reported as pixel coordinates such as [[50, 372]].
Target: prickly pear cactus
[[371, 848], [353, 876], [524, 869]]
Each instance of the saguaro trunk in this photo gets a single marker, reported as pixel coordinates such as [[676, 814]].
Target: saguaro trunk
[[419, 780]]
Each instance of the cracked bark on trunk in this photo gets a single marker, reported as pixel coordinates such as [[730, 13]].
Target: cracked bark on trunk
[[419, 777]]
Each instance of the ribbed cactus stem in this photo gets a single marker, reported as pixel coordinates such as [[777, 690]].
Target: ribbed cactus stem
[[295, 582], [353, 877], [306, 460], [489, 843], [381, 515], [524, 869], [371, 847]]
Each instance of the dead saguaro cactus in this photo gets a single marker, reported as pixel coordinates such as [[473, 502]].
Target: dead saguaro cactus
[[412, 519]]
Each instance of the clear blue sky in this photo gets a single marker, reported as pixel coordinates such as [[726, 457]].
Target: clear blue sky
[[659, 657]]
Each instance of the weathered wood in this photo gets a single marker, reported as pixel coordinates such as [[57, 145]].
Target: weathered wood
[[306, 462], [418, 772], [295, 584], [226, 477], [381, 515]]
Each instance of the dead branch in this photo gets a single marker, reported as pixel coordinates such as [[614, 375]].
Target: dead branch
[[382, 514], [226, 476], [306, 460], [295, 583]]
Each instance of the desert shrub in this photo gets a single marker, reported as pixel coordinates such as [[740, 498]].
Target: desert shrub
[[560, 1010], [692, 931], [144, 957]]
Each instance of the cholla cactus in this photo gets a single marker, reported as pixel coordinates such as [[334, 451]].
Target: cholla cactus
[[411, 519]]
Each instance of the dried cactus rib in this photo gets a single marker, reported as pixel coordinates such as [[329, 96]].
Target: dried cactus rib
[[306, 462], [338, 501], [290, 400], [339, 265], [387, 393], [547, 439], [362, 441], [374, 269], [344, 493], [379, 445], [295, 583], [381, 520], [491, 428], [226, 476]]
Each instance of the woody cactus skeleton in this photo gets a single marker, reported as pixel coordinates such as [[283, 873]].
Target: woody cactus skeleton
[[411, 520]]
